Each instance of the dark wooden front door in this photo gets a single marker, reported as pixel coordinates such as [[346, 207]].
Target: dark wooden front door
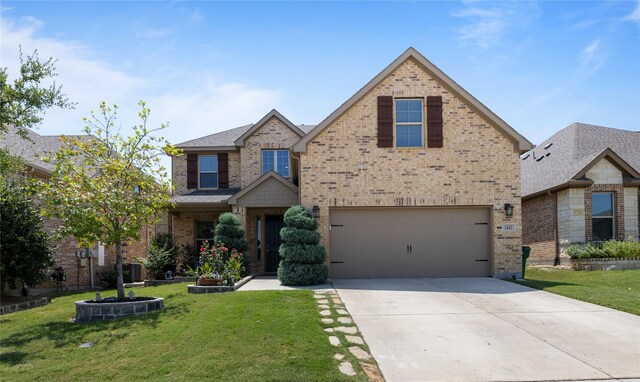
[[273, 225]]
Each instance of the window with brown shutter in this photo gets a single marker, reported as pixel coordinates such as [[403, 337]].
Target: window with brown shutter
[[434, 121], [192, 171], [223, 170], [385, 121]]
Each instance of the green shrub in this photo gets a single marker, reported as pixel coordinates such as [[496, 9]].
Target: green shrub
[[302, 258], [610, 249], [230, 232], [161, 257]]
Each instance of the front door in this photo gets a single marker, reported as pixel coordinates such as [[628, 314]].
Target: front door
[[273, 225]]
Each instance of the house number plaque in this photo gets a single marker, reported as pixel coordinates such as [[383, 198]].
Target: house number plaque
[[509, 227]]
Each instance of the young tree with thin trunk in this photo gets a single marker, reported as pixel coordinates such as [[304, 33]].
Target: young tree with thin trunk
[[106, 187]]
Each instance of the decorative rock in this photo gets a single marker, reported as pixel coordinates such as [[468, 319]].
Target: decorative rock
[[323, 306], [347, 369], [345, 320], [327, 321], [338, 356], [359, 353], [346, 329], [328, 330], [342, 312], [354, 339], [325, 312], [323, 301], [334, 340]]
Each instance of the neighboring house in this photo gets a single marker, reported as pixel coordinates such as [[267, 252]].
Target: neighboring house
[[411, 176], [580, 186], [77, 272]]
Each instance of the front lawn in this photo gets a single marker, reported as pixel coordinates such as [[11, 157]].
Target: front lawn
[[615, 289], [239, 336]]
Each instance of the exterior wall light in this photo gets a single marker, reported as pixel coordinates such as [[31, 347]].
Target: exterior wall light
[[508, 209], [316, 212]]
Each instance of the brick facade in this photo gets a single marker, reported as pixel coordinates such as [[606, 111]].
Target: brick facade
[[478, 165], [539, 229]]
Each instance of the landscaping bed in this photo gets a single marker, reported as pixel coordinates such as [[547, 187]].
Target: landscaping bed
[[614, 289], [249, 336], [202, 289]]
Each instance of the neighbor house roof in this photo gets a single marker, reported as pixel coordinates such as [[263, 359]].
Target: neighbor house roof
[[31, 148], [226, 140], [565, 157], [522, 143]]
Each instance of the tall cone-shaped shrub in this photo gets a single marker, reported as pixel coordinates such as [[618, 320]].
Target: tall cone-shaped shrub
[[230, 232], [302, 259]]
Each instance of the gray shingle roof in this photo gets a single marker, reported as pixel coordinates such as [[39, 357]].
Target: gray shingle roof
[[571, 150], [204, 197], [29, 149], [226, 138]]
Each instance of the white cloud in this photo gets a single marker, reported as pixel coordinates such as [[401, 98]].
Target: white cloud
[[487, 24], [635, 14], [592, 58]]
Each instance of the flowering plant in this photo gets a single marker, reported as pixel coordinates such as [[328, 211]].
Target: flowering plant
[[220, 264]]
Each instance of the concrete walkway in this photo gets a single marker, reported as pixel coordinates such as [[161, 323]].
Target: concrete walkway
[[272, 283], [483, 329]]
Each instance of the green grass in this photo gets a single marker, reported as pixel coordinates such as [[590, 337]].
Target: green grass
[[614, 289], [240, 336]]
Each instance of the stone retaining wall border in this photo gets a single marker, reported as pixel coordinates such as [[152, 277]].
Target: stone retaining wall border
[[197, 289], [604, 264]]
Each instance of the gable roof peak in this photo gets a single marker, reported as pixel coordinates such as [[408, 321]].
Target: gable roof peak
[[272, 114]]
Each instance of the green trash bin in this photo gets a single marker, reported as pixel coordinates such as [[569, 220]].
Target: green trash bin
[[526, 251]]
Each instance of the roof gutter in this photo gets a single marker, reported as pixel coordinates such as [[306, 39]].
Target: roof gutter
[[578, 183]]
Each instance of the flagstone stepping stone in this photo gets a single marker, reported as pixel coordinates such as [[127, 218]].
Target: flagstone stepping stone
[[325, 312], [327, 320], [336, 300], [345, 320], [324, 301], [359, 353], [321, 306], [346, 329], [372, 372], [347, 369], [328, 330], [338, 356], [354, 339], [334, 340], [342, 312]]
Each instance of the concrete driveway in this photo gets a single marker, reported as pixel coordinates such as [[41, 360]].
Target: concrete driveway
[[483, 329]]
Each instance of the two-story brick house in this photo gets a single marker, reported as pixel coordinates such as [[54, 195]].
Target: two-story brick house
[[412, 176]]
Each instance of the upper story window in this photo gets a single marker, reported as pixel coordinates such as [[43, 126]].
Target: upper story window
[[276, 160], [409, 123], [602, 219], [208, 171]]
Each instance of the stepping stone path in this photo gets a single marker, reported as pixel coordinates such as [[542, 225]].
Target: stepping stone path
[[330, 304]]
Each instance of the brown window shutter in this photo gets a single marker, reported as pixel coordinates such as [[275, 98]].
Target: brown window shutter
[[385, 121], [192, 171], [434, 121], [223, 170]]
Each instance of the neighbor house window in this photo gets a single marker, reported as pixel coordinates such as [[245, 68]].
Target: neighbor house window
[[208, 171], [602, 216], [204, 232], [409, 123], [276, 160]]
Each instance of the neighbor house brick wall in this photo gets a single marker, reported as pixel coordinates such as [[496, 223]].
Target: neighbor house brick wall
[[571, 217], [478, 165], [179, 171], [539, 228], [273, 134], [631, 214]]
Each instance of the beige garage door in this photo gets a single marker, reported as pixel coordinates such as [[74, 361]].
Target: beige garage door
[[410, 242]]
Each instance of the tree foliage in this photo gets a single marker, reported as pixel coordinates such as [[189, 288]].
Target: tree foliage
[[302, 259], [230, 232], [23, 102], [161, 257], [25, 252], [106, 187]]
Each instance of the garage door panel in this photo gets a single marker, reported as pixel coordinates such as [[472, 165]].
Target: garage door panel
[[409, 242]]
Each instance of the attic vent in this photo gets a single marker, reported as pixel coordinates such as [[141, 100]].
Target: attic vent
[[548, 145], [525, 156], [539, 159], [548, 154]]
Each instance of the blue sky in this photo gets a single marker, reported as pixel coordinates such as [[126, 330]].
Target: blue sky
[[209, 66]]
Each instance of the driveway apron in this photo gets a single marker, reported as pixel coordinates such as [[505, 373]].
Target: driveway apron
[[484, 329]]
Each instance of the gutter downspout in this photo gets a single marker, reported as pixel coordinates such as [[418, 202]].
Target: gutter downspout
[[556, 261]]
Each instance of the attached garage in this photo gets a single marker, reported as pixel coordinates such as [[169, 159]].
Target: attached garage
[[410, 242]]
